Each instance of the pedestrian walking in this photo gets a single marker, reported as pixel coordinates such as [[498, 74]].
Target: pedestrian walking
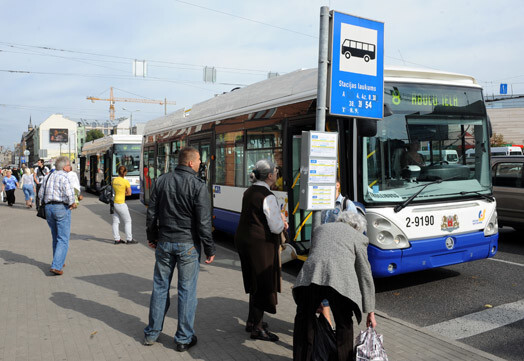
[[122, 188], [40, 172], [178, 224], [75, 183], [9, 185], [257, 240], [337, 269], [28, 186], [58, 202]]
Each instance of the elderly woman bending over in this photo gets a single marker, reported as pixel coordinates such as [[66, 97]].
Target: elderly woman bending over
[[337, 269]]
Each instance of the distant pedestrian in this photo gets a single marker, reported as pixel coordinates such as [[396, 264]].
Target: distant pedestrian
[[40, 172], [258, 240], [28, 186], [58, 202], [337, 269], [75, 183], [10, 184], [122, 188], [179, 219]]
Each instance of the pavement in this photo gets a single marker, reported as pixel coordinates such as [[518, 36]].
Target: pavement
[[98, 308]]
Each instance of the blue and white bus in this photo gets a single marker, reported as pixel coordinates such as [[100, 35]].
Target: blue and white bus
[[101, 158], [419, 216]]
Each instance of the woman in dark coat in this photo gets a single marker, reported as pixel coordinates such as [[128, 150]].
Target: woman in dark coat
[[337, 269], [258, 240]]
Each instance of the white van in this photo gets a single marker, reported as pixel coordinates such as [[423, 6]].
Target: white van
[[506, 151], [448, 155]]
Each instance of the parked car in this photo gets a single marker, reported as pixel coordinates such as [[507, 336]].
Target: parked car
[[508, 189]]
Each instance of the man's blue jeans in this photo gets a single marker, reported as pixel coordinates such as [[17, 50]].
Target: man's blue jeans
[[58, 218], [186, 258]]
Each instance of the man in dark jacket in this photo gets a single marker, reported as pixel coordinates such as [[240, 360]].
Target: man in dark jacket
[[178, 223]]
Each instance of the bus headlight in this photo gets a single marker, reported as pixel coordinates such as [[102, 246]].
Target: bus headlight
[[385, 234], [492, 227]]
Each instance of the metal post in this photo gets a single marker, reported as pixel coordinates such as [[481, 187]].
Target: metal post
[[323, 49]]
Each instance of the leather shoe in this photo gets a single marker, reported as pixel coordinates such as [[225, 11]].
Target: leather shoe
[[264, 335], [56, 272], [182, 347], [249, 326]]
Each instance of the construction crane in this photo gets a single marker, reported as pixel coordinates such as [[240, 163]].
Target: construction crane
[[112, 101]]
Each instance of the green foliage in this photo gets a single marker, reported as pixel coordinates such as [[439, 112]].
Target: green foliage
[[94, 134]]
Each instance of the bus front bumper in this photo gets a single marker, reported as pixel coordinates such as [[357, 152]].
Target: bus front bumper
[[430, 253]]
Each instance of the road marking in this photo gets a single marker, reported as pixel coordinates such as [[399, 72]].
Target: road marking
[[501, 260], [479, 322]]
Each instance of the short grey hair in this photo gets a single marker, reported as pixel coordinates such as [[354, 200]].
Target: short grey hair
[[353, 219], [263, 168], [61, 162]]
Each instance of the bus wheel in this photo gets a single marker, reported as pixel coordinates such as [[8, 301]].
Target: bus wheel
[[366, 58], [347, 54]]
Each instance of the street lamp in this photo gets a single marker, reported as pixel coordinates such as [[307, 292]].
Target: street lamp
[[131, 118]]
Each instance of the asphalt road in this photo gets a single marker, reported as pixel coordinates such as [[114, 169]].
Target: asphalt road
[[479, 303]]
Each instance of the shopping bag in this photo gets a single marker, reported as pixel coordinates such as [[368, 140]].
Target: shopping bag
[[1, 196], [369, 346], [324, 343]]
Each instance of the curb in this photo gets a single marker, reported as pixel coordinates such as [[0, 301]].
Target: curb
[[439, 337]]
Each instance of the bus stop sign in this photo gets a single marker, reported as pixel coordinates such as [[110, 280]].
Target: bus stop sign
[[357, 67]]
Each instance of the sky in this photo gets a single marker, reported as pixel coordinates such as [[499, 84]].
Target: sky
[[54, 54]]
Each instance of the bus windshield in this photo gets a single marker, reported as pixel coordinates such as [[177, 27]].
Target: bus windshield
[[127, 155], [425, 140]]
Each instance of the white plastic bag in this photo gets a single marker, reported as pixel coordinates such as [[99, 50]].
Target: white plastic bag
[[369, 346]]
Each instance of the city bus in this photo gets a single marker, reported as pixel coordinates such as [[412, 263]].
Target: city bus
[[419, 217], [359, 49], [101, 158]]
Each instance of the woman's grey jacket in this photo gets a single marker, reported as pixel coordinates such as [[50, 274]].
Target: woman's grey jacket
[[338, 258]]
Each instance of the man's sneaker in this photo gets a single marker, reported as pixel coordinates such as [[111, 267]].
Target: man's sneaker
[[120, 242], [149, 342], [132, 242], [182, 347]]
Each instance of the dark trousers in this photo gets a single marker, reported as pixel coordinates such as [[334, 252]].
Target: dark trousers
[[37, 199], [10, 196], [308, 299]]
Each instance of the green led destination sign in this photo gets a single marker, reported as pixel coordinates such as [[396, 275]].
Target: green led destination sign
[[413, 98]]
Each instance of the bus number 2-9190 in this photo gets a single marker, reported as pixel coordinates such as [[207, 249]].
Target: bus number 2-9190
[[420, 221]]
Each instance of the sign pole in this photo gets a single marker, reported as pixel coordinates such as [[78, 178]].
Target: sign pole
[[323, 50]]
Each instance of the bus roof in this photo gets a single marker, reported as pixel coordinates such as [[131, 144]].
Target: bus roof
[[294, 87], [104, 143]]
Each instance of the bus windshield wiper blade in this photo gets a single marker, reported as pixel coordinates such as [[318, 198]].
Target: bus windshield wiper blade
[[489, 198], [401, 206]]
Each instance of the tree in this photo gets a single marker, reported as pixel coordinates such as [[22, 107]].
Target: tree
[[94, 134], [497, 140]]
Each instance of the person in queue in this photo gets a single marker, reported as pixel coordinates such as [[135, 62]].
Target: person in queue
[[257, 240], [40, 172], [337, 269], [28, 186], [9, 185], [59, 200], [122, 188], [178, 223]]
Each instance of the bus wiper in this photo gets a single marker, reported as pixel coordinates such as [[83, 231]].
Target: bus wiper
[[401, 206], [489, 198]]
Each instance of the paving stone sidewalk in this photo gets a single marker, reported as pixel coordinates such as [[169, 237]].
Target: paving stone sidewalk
[[98, 308]]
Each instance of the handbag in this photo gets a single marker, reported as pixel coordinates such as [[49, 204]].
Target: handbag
[[41, 209]]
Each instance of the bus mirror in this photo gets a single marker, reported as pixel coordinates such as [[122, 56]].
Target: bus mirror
[[490, 129], [387, 110], [367, 127]]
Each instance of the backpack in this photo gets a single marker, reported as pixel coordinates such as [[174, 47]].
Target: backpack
[[106, 194]]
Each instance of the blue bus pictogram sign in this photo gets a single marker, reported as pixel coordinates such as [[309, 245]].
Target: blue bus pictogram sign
[[357, 67]]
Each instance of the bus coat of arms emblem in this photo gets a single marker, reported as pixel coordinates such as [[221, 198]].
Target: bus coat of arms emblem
[[449, 223]]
